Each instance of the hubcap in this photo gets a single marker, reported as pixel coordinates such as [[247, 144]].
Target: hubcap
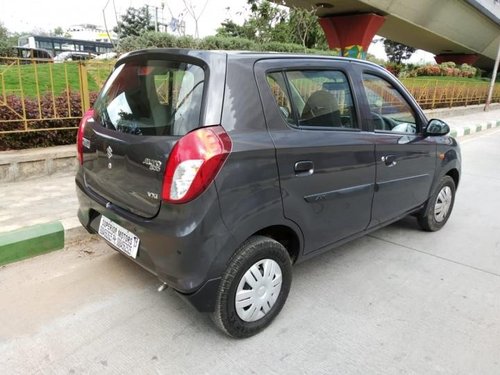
[[258, 290], [443, 204]]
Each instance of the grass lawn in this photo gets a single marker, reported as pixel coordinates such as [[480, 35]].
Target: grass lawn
[[63, 76], [446, 79]]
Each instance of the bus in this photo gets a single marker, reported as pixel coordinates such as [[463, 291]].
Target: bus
[[33, 53], [56, 45]]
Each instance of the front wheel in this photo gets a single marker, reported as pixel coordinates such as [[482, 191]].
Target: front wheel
[[439, 206], [254, 287]]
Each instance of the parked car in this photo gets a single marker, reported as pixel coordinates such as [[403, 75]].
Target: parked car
[[73, 56], [217, 171], [107, 56]]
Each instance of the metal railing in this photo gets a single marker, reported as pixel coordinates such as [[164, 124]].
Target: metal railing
[[433, 93], [37, 95]]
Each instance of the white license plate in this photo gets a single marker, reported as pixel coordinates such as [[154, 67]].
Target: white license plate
[[123, 239]]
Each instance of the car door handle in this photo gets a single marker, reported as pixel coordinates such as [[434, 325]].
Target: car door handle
[[304, 168], [389, 160]]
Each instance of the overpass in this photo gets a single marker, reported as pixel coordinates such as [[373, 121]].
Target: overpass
[[453, 30]]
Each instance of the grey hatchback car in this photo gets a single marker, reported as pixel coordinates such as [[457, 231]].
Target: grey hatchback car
[[217, 171]]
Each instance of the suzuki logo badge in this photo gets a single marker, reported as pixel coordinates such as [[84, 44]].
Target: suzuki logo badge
[[109, 152]]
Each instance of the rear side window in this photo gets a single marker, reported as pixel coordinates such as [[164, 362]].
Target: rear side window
[[277, 84], [319, 98], [152, 98]]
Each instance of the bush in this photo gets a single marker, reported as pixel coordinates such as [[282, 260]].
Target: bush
[[41, 138], [282, 47], [225, 43], [153, 39], [394, 68], [448, 69]]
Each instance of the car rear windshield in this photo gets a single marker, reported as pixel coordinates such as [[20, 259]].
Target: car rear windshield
[[156, 97]]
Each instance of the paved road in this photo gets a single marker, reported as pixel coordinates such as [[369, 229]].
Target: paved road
[[399, 301]]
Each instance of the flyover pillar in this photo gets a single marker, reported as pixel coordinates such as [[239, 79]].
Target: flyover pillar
[[351, 35], [457, 58]]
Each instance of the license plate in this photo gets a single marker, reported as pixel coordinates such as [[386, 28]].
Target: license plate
[[123, 239]]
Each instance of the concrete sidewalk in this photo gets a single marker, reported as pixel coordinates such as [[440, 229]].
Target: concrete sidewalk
[[38, 201], [52, 198]]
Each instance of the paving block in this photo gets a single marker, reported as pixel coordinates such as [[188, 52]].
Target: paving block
[[30, 241]]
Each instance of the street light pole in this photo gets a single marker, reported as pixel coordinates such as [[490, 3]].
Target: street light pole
[[156, 19], [493, 79]]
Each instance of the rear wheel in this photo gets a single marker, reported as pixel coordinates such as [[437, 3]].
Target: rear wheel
[[439, 206], [254, 287]]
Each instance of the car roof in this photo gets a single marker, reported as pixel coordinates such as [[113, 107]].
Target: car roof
[[235, 54]]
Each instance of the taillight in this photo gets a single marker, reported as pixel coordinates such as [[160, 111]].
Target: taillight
[[194, 162], [79, 136]]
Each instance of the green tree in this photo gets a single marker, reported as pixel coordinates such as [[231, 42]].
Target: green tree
[[305, 28], [397, 52], [269, 22], [264, 18], [134, 22], [58, 31], [229, 28], [6, 42]]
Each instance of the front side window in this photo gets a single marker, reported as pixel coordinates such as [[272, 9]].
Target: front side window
[[318, 98], [152, 98], [388, 108]]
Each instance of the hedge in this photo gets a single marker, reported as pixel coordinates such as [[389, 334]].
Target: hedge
[[41, 138], [163, 40]]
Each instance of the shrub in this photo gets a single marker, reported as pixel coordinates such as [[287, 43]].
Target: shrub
[[394, 68], [41, 138], [186, 41], [226, 43], [152, 39], [448, 69], [282, 47]]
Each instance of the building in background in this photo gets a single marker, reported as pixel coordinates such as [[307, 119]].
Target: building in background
[[91, 32]]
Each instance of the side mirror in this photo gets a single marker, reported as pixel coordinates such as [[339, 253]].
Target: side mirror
[[436, 127]]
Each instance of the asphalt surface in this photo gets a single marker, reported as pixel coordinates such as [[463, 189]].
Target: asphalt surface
[[399, 301]]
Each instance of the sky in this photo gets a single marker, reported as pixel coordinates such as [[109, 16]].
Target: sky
[[26, 15]]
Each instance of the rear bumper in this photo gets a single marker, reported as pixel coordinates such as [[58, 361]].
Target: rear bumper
[[182, 245]]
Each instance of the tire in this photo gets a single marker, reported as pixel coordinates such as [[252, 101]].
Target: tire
[[432, 219], [260, 254]]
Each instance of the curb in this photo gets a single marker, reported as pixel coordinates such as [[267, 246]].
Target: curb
[[39, 239], [30, 241], [462, 132]]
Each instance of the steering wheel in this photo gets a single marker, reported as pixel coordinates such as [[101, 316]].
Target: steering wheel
[[380, 122]]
